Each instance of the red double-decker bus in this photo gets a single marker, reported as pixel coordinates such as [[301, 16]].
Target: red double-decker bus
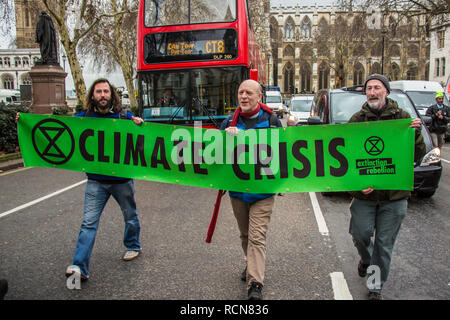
[[192, 56]]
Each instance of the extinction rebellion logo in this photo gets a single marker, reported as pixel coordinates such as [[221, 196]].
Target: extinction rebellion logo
[[374, 146], [49, 135]]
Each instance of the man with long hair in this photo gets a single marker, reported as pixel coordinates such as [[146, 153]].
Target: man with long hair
[[103, 102]]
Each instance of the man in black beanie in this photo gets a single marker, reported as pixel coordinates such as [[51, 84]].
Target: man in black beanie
[[379, 211]]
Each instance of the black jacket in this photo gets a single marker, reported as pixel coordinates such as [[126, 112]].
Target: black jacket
[[438, 125]]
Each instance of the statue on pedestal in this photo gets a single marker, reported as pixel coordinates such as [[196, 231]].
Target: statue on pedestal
[[46, 37]]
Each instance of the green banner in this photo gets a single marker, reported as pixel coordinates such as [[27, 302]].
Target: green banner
[[341, 157]]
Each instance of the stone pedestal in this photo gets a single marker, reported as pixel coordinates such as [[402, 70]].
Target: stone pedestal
[[48, 88]]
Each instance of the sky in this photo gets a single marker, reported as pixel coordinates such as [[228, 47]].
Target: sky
[[117, 78]]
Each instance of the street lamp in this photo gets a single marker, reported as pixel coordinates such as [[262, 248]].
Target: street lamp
[[383, 33], [64, 61], [268, 68]]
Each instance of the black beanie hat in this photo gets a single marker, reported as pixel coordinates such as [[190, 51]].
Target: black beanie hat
[[379, 77]]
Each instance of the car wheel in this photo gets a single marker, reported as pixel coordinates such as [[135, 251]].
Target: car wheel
[[425, 194]]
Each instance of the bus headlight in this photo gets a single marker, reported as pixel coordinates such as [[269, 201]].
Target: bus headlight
[[434, 156]]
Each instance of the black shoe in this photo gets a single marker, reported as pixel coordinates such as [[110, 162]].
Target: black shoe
[[362, 269], [375, 295], [3, 288], [244, 274], [255, 291]]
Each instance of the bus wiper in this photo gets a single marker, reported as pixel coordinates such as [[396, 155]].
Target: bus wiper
[[208, 114], [176, 112]]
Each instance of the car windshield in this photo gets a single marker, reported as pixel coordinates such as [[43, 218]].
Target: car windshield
[[301, 105], [424, 99], [273, 99], [345, 104]]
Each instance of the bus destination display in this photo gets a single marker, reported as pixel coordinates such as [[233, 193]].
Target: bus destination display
[[219, 44]]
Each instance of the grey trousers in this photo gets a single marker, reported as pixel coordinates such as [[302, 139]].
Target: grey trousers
[[438, 139], [385, 219], [253, 222]]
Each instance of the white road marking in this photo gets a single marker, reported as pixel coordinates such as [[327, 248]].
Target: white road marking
[[340, 288], [323, 229], [26, 205], [446, 161]]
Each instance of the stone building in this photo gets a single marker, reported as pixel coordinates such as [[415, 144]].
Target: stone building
[[440, 51], [315, 47], [27, 15], [15, 65]]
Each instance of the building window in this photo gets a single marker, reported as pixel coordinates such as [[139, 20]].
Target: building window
[[7, 62], [323, 76], [27, 17], [438, 67], [1, 62], [288, 51], [26, 79], [289, 30], [440, 39], [289, 78], [443, 66], [358, 74], [411, 74], [395, 72], [8, 82], [305, 78], [17, 62], [306, 29], [26, 62]]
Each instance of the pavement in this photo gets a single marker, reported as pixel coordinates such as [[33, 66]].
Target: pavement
[[10, 164]]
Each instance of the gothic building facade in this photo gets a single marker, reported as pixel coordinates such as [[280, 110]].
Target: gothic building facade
[[316, 47]]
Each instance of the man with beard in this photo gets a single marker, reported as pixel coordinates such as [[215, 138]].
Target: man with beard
[[379, 211], [104, 102]]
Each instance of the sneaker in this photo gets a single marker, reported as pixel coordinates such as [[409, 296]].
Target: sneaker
[[244, 274], [375, 295], [255, 291], [362, 269], [3, 288], [130, 255], [73, 269]]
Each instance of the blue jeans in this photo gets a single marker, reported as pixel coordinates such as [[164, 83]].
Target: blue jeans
[[385, 219], [95, 198]]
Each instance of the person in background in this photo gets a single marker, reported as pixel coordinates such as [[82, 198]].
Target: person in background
[[440, 117], [379, 211]]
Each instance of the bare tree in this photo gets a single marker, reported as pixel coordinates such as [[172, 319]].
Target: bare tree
[[112, 42], [69, 17]]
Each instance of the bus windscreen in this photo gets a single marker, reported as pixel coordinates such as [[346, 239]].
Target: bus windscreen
[[214, 44], [208, 95]]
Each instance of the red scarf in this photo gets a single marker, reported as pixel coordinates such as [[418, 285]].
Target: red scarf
[[238, 112]]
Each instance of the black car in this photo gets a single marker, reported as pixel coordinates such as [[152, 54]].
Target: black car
[[334, 106]]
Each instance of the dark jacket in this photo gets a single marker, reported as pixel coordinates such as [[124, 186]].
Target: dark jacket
[[438, 125], [391, 112], [263, 120]]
